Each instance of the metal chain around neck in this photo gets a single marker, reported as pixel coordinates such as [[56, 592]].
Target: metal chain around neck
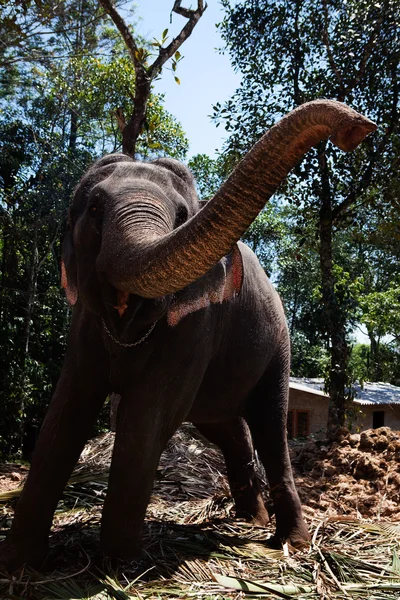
[[131, 345]]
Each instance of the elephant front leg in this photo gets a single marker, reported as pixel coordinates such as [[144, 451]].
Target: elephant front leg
[[68, 424], [144, 427]]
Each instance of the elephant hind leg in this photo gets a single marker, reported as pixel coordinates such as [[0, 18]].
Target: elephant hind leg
[[234, 439], [267, 419]]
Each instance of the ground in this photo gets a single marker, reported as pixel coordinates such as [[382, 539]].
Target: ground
[[193, 545]]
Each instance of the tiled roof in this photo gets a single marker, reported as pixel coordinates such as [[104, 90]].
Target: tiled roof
[[368, 394], [307, 388]]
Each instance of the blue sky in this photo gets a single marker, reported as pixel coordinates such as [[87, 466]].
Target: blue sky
[[206, 76]]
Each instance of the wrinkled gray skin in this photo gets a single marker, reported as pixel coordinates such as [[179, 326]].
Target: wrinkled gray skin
[[140, 253]]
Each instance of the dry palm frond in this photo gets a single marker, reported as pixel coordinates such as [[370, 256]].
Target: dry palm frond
[[193, 548]]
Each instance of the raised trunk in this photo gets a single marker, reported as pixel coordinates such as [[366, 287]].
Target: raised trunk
[[163, 264]]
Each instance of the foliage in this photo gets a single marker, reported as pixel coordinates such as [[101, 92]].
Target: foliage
[[93, 88], [381, 312], [209, 174], [69, 75], [307, 360], [363, 367], [292, 52]]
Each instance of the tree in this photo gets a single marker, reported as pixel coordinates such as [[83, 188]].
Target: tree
[[291, 52], [55, 120], [209, 174], [146, 73]]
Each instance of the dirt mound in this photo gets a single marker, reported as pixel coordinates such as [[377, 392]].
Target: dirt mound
[[357, 474]]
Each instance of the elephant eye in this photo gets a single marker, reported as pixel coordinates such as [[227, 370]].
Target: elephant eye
[[95, 210]]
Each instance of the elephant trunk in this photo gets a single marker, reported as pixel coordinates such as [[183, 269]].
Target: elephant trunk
[[162, 262]]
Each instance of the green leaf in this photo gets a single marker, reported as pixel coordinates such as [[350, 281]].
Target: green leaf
[[244, 585], [177, 80]]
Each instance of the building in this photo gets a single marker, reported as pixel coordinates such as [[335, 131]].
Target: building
[[379, 406], [308, 407], [376, 404]]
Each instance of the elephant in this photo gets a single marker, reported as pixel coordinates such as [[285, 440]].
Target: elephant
[[175, 314]]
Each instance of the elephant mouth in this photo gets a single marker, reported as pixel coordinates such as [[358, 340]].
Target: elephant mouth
[[122, 299], [129, 317]]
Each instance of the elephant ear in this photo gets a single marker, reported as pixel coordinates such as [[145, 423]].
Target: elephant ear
[[222, 283], [69, 270]]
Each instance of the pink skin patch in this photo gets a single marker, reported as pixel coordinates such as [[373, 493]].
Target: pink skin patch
[[224, 290], [179, 311], [122, 305], [70, 291], [234, 273]]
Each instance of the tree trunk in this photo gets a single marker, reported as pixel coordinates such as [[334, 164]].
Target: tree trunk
[[334, 320], [73, 132], [136, 123], [376, 371]]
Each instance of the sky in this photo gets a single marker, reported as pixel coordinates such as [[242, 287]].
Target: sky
[[205, 75]]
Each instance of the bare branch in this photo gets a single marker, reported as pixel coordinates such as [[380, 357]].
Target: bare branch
[[119, 115], [166, 53], [187, 12], [124, 31], [333, 65], [146, 74]]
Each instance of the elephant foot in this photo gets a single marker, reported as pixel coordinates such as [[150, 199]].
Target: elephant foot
[[256, 514], [298, 537], [250, 506], [16, 553]]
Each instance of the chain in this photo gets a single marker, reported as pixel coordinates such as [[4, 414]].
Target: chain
[[142, 339]]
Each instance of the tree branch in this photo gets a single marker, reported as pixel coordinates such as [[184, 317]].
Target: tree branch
[[334, 67], [166, 53], [146, 74], [119, 115], [124, 31], [367, 53]]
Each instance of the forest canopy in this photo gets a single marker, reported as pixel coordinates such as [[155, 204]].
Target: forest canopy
[[342, 209], [64, 76]]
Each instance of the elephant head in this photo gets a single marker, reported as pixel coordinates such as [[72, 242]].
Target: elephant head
[[138, 227]]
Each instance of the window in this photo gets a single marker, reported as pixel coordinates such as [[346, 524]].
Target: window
[[303, 429], [378, 419], [298, 423], [290, 423]]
